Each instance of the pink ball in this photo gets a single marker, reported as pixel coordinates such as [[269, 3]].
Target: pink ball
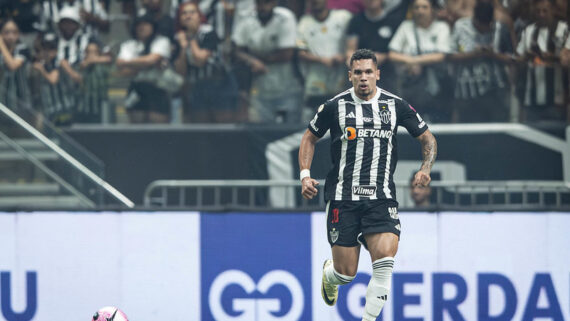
[[109, 314]]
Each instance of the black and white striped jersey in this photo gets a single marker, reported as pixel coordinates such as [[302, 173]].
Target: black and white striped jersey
[[363, 143]]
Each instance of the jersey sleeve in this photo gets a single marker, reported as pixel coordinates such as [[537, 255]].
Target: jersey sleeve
[[323, 119], [409, 118]]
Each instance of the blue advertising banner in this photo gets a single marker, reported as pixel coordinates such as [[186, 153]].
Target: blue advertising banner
[[256, 266]]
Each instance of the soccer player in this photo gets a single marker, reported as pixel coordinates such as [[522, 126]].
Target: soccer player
[[359, 190]]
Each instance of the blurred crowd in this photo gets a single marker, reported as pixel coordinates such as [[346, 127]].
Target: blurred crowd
[[272, 61]]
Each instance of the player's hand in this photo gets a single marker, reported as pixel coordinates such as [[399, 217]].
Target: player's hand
[[422, 179], [309, 188]]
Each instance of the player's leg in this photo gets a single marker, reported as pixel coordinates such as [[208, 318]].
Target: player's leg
[[382, 248], [343, 228], [381, 229], [339, 271]]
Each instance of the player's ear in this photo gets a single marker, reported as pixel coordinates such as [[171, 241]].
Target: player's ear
[[377, 74], [349, 75]]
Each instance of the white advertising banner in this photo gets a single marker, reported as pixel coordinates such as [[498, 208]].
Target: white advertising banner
[[463, 266], [65, 266], [184, 266]]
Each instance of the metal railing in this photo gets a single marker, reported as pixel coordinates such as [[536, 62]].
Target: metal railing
[[259, 195], [69, 160]]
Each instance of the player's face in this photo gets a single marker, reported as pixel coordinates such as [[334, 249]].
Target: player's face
[[363, 74]]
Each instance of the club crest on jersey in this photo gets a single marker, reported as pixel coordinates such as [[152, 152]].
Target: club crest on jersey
[[334, 235], [385, 116], [364, 190]]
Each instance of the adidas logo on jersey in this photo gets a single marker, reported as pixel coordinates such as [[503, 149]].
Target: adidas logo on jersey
[[350, 115]]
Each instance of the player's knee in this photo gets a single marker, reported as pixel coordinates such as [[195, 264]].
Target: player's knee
[[381, 253], [348, 270]]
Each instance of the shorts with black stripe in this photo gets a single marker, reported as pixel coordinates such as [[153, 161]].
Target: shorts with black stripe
[[349, 221]]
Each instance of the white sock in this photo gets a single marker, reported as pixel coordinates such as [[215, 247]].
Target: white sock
[[378, 288], [335, 278]]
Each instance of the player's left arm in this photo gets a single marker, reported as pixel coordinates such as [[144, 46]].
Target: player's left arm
[[409, 118], [429, 154]]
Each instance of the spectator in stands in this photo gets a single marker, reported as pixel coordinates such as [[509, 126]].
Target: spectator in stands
[[266, 43], [452, 10], [93, 15], [221, 15], [540, 47], [71, 48], [421, 195], [25, 14], [321, 40], [481, 48], [14, 71], [212, 95], [94, 72], [54, 104], [163, 22], [142, 58], [72, 40], [373, 29], [521, 13], [419, 47]]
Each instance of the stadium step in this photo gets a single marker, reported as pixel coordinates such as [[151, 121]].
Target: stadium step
[[32, 146], [28, 189], [41, 202]]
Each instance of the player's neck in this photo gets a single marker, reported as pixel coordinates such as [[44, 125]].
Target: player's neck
[[369, 96]]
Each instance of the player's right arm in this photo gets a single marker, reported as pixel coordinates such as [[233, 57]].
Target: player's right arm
[[306, 152], [317, 128]]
